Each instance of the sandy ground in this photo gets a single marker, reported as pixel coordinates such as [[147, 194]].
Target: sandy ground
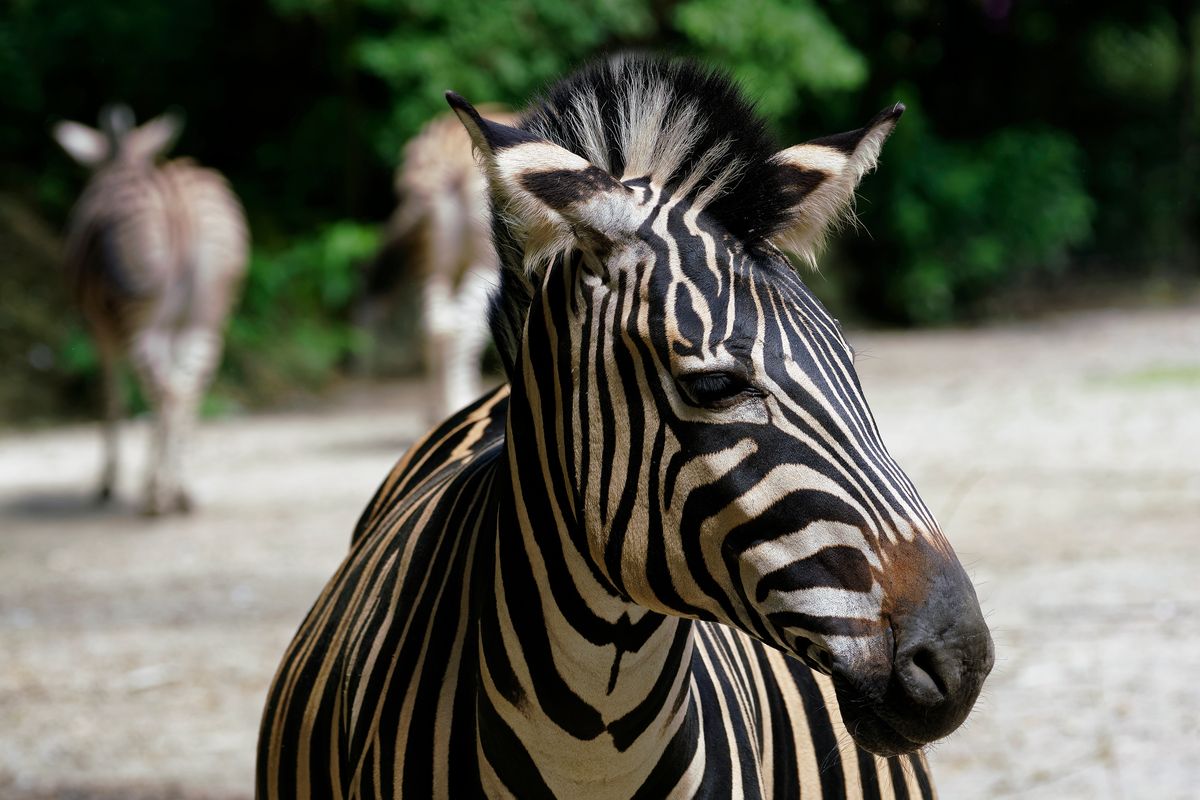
[[1062, 457]]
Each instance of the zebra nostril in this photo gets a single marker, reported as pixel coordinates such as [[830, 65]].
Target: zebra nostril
[[925, 674], [821, 658], [929, 677]]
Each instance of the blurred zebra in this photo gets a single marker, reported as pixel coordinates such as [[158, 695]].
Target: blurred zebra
[[673, 558], [155, 253], [442, 228]]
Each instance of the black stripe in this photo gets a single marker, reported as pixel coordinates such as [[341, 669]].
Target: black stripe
[[510, 761], [820, 729], [922, 776], [899, 786], [868, 777]]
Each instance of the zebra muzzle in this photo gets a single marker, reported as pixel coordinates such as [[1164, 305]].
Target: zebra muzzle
[[940, 653]]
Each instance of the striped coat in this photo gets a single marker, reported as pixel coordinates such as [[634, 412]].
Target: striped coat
[[155, 254], [408, 603], [672, 558]]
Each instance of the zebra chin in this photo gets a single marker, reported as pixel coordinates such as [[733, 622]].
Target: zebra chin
[[871, 731]]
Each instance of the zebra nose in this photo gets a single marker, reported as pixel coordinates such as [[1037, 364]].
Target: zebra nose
[[943, 654]]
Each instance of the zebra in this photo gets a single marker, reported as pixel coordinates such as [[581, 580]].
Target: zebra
[[155, 253], [442, 226], [671, 557]]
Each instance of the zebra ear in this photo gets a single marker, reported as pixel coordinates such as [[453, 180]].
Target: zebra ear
[[88, 146], [819, 179], [557, 198], [152, 139]]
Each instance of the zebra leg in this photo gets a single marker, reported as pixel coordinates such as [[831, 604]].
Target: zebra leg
[[197, 351], [114, 406], [465, 348], [151, 355], [464, 352], [438, 319], [177, 412], [162, 486]]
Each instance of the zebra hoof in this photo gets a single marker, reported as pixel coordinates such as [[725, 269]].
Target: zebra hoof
[[104, 496], [183, 503], [151, 509]]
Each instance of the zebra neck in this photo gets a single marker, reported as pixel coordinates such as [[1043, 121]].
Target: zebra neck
[[581, 693]]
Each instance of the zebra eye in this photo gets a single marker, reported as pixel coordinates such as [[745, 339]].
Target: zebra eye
[[715, 390]]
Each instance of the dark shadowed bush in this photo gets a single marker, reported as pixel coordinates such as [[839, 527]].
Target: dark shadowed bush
[[967, 218], [292, 329]]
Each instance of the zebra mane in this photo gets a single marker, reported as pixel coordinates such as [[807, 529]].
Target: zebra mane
[[686, 127]]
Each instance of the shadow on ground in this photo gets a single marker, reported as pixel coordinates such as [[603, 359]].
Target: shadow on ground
[[66, 506]]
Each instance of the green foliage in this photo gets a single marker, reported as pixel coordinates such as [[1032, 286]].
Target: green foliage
[[291, 329], [967, 218], [775, 48], [1140, 65], [497, 52]]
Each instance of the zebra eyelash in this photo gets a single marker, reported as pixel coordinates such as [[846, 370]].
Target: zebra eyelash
[[716, 390]]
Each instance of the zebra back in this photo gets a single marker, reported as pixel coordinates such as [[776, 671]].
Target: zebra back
[[150, 243]]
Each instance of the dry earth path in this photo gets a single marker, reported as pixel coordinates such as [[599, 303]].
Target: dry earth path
[[1062, 457]]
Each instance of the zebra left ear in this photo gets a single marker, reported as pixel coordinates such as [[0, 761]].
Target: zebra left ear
[[557, 198], [88, 146], [819, 179]]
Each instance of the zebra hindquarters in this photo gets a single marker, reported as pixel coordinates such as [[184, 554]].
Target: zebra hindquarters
[[177, 354], [117, 261]]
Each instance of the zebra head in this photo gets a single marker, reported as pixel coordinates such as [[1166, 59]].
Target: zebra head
[[118, 140], [698, 408]]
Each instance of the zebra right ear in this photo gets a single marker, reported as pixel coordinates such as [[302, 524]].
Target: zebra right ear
[[819, 179], [152, 139], [88, 146], [557, 198]]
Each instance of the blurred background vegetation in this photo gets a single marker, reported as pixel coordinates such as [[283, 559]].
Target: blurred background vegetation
[[1048, 147]]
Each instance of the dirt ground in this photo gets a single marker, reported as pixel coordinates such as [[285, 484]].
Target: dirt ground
[[1062, 457]]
